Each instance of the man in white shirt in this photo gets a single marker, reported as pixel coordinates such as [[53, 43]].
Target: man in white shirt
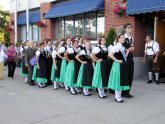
[[151, 56]]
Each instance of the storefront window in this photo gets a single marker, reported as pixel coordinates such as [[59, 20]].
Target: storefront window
[[69, 27], [100, 24], [35, 33], [23, 33], [90, 23], [30, 32], [59, 29], [79, 28]]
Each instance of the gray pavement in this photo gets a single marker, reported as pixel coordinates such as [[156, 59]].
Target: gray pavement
[[23, 104]]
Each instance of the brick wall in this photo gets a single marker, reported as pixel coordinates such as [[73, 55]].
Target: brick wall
[[48, 31], [113, 21], [12, 33]]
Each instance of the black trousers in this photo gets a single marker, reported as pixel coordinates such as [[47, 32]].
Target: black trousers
[[11, 68]]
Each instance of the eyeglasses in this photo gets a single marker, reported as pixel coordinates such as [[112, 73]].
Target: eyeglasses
[[129, 27]]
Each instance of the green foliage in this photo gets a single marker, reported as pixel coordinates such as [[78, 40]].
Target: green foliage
[[111, 36], [18, 44], [4, 22]]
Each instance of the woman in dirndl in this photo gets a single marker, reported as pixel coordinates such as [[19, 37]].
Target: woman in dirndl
[[102, 68], [24, 69], [85, 75], [118, 79], [40, 70], [57, 72], [70, 72]]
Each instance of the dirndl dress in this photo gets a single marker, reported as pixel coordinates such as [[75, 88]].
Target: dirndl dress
[[24, 69], [118, 79], [102, 70], [85, 75], [40, 75]]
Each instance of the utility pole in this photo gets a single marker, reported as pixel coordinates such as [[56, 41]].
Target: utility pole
[[15, 22]]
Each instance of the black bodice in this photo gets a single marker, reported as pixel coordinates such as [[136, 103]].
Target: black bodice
[[102, 54], [119, 56], [42, 55]]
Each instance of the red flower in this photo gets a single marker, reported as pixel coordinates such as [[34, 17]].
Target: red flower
[[8, 29]]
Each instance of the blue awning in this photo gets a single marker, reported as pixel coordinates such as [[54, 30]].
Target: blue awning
[[74, 7], [34, 16], [144, 6]]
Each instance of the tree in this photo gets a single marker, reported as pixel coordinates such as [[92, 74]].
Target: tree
[[4, 22], [111, 36]]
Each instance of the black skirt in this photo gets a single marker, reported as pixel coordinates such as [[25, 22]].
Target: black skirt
[[77, 65], [57, 72], [42, 72], [106, 66], [124, 74], [24, 68], [130, 67], [87, 74]]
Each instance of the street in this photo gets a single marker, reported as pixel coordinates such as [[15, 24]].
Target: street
[[24, 104]]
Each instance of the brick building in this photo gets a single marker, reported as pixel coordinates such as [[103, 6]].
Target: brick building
[[87, 18]]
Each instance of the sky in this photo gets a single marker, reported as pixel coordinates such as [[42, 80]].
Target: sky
[[5, 4]]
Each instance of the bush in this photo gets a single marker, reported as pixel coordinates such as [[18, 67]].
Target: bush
[[111, 36]]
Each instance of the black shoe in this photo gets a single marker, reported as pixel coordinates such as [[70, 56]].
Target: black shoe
[[128, 96], [149, 82], [31, 84], [119, 101], [157, 82]]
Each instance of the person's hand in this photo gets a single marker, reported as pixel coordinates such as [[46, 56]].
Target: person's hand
[[120, 61], [144, 61], [27, 65], [131, 49], [38, 67], [155, 60], [164, 53], [55, 67], [71, 60], [99, 60], [83, 62]]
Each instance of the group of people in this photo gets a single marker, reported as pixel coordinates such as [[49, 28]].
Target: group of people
[[76, 65]]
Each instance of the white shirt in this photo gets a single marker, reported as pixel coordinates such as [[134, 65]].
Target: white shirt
[[85, 53], [118, 47], [54, 54], [38, 52], [152, 51], [48, 49], [96, 50], [110, 46], [2, 56], [61, 50]]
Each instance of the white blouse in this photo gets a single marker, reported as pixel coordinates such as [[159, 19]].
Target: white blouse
[[96, 50], [61, 50], [2, 56], [54, 54]]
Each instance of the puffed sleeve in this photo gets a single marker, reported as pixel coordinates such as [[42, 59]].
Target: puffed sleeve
[[145, 50], [38, 53], [82, 52], [156, 47], [54, 53], [96, 50], [109, 48], [70, 50], [114, 49], [61, 50]]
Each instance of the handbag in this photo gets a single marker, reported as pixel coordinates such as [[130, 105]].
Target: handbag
[[32, 61]]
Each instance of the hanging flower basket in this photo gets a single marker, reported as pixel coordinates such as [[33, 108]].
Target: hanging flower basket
[[91, 38], [119, 10], [8, 29], [40, 24]]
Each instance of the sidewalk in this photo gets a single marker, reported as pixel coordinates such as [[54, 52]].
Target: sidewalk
[[23, 104]]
